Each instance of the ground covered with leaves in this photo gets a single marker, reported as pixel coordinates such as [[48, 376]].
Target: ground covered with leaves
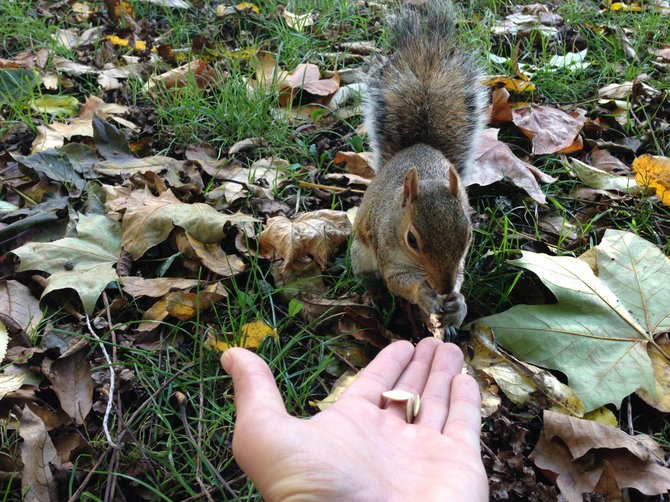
[[179, 177]]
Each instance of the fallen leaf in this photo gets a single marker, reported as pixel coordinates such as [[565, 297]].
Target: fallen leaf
[[652, 171], [658, 352], [550, 129], [341, 384], [500, 110], [602, 180], [38, 455], [19, 305], [494, 161], [9, 383], [179, 77], [84, 263], [599, 330], [71, 381], [155, 288], [316, 234], [513, 84], [580, 453], [359, 163], [251, 336], [616, 91], [297, 21], [521, 382], [130, 165], [213, 257], [58, 106], [148, 220], [55, 134]]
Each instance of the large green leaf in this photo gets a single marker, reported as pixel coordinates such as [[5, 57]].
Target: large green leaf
[[84, 263], [598, 332]]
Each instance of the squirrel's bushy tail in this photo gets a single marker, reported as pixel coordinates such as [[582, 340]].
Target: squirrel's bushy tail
[[427, 90]]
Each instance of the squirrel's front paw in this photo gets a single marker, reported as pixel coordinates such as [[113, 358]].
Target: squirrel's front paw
[[444, 314], [452, 309]]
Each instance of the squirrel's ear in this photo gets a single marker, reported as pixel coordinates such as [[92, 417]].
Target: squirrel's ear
[[453, 182], [410, 187]]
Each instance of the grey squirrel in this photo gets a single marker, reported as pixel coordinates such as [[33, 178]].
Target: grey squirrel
[[424, 109]]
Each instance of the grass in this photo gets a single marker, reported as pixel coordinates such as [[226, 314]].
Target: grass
[[160, 458]]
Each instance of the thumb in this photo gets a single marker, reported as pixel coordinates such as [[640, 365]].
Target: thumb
[[255, 388]]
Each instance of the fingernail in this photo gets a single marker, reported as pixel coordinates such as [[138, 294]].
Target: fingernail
[[227, 361]]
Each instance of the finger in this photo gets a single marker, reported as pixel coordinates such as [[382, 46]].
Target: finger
[[447, 363], [414, 378], [464, 419], [255, 387], [382, 372]]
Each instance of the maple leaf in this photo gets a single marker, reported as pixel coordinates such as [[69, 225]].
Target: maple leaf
[[598, 332], [148, 220], [84, 263]]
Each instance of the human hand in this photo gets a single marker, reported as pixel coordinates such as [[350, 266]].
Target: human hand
[[361, 448]]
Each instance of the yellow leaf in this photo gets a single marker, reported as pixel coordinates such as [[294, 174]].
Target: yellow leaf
[[60, 106], [654, 172], [510, 83], [657, 353], [602, 415], [247, 6], [252, 333], [246, 53], [122, 42]]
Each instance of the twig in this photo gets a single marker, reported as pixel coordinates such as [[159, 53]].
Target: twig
[[307, 184], [112, 383]]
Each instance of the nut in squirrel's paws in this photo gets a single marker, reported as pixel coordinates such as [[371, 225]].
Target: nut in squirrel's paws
[[447, 314]]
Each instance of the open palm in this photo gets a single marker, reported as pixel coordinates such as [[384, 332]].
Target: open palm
[[361, 448]]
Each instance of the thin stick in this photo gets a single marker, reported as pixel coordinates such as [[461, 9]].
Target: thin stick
[[307, 184], [112, 383]]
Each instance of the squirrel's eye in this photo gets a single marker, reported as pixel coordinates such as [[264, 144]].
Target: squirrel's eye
[[411, 240]]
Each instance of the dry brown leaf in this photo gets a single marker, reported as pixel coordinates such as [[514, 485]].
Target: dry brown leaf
[[654, 172], [635, 460], [500, 110], [139, 286], [71, 381], [213, 257], [316, 234], [247, 144], [179, 77], [359, 163], [19, 305], [495, 161], [550, 129], [131, 165], [38, 454], [308, 78]]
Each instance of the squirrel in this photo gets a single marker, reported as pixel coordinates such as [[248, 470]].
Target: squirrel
[[424, 109]]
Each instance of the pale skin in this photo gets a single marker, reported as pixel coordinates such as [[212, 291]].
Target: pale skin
[[362, 448]]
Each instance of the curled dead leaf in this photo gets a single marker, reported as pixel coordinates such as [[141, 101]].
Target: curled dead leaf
[[316, 234]]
